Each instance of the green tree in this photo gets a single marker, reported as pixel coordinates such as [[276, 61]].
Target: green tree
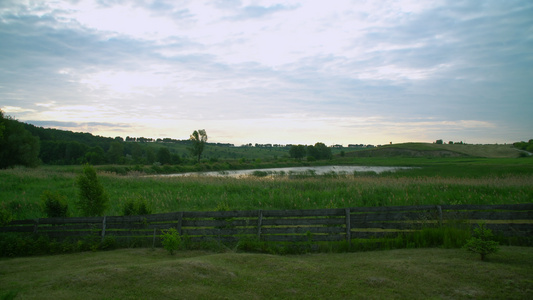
[[482, 242], [324, 152], [17, 145], [116, 152], [319, 151], [198, 139], [163, 156], [95, 156], [171, 240], [150, 156], [312, 153], [136, 153], [2, 126], [297, 151], [92, 197]]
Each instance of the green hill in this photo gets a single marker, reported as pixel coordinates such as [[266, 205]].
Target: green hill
[[439, 150]]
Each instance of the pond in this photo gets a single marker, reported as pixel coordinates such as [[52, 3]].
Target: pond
[[318, 170]]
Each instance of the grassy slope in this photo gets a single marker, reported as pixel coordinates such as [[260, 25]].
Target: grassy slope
[[153, 274], [488, 151], [492, 151]]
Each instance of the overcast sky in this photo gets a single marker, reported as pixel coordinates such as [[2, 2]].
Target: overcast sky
[[337, 72]]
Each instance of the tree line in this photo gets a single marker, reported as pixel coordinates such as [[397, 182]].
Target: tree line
[[28, 145]]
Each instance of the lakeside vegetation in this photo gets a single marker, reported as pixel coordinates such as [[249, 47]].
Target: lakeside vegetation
[[432, 181]]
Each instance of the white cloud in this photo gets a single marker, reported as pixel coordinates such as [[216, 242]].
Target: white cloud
[[355, 70], [15, 109]]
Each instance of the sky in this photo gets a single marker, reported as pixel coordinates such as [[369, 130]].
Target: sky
[[280, 72]]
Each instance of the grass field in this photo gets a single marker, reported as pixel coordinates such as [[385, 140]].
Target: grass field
[[153, 274], [393, 274], [432, 181]]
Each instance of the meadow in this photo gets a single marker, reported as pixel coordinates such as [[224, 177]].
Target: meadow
[[423, 273], [432, 181], [430, 273]]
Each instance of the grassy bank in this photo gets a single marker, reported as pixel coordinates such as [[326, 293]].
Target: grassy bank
[[433, 181], [153, 274]]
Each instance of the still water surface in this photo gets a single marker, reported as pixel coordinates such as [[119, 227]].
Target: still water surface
[[319, 170]]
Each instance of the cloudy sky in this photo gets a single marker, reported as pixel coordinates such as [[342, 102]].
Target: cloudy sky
[[337, 72]]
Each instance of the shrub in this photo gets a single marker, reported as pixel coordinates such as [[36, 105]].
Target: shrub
[[5, 216], [54, 204], [171, 240], [129, 208], [138, 206], [92, 197], [108, 243], [482, 242]]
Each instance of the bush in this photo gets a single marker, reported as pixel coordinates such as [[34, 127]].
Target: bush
[[93, 199], [5, 216], [138, 206], [171, 240], [54, 204], [108, 243], [482, 242]]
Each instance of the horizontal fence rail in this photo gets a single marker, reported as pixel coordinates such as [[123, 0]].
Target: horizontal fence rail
[[306, 225]]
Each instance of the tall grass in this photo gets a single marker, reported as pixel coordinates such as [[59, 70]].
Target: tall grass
[[20, 190]]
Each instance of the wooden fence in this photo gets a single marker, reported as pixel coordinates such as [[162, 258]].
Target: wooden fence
[[285, 225]]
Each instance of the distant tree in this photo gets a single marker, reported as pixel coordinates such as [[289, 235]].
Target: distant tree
[[324, 152], [312, 153], [136, 153], [92, 200], [163, 156], [74, 152], [17, 145], [319, 151], [95, 156], [2, 126], [297, 151], [116, 152], [439, 142], [176, 159], [150, 156], [198, 138]]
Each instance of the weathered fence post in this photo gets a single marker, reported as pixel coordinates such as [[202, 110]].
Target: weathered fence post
[[103, 228], [153, 240], [259, 223], [439, 209], [35, 226], [348, 227], [180, 221]]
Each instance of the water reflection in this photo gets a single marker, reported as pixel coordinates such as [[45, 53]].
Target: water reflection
[[319, 170]]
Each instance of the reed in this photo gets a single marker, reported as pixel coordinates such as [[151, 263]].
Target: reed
[[21, 190]]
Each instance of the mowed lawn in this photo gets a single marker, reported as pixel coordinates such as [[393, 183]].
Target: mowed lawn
[[154, 274]]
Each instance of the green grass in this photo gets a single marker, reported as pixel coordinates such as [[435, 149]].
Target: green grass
[[433, 181], [153, 274]]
